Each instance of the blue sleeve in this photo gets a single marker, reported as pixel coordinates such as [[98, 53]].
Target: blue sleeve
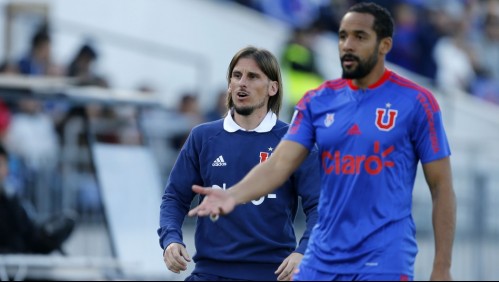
[[301, 129], [307, 180], [428, 134], [178, 194]]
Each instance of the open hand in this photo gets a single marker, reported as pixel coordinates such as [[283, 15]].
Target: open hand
[[216, 202]]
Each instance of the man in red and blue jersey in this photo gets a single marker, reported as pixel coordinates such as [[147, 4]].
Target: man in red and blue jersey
[[372, 128]]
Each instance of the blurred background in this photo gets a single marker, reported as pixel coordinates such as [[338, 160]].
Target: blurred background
[[98, 96]]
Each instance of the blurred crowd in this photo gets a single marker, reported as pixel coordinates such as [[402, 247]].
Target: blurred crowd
[[48, 139], [453, 43]]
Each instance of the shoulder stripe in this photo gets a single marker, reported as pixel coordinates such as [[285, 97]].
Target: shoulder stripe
[[410, 84], [302, 104], [330, 84], [334, 84]]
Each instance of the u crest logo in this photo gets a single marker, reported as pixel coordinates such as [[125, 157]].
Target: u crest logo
[[263, 156], [381, 120]]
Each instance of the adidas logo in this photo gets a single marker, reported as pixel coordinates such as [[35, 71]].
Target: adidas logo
[[219, 161], [354, 130]]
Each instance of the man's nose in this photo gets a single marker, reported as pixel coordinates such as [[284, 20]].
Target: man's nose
[[243, 81], [347, 45]]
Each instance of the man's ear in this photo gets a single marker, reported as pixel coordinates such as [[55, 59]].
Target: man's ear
[[273, 88], [385, 45]]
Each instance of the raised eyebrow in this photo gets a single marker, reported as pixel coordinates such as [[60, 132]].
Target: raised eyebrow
[[361, 32], [253, 73], [250, 73], [355, 32]]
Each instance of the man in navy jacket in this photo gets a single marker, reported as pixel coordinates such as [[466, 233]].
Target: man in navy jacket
[[257, 241]]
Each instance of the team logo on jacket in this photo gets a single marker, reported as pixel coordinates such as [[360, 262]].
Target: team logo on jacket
[[385, 118], [263, 157], [329, 120]]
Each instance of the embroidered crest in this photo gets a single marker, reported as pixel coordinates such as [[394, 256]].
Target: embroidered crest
[[329, 120], [384, 123], [264, 156]]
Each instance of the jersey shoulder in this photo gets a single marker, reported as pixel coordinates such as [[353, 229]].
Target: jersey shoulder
[[207, 129], [328, 88], [413, 90]]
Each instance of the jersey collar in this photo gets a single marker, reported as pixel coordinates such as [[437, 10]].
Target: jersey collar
[[383, 78], [266, 125]]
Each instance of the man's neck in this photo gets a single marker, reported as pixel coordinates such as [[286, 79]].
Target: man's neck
[[251, 121], [373, 77]]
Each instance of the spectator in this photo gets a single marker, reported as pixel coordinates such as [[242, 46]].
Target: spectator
[[32, 136], [20, 233], [5, 117], [33, 140], [453, 56], [9, 68], [188, 116], [406, 52], [486, 85], [296, 13], [38, 61], [81, 67], [220, 109], [300, 70]]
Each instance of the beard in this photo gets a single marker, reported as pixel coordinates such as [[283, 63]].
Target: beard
[[248, 110], [364, 67]]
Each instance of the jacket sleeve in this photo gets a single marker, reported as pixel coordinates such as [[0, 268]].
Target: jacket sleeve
[[178, 194], [307, 182]]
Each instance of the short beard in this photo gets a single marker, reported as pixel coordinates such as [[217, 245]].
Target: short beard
[[246, 111], [363, 67]]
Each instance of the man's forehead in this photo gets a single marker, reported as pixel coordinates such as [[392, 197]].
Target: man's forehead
[[354, 21], [247, 64]]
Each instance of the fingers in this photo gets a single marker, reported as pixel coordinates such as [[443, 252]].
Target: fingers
[[184, 254], [282, 266], [205, 208], [285, 271], [202, 209], [215, 203], [176, 257], [194, 211], [286, 275], [201, 190], [288, 267]]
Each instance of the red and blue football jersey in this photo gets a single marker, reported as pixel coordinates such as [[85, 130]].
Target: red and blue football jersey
[[370, 142]]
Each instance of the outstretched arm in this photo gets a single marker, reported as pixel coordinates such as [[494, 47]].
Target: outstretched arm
[[261, 180], [439, 178]]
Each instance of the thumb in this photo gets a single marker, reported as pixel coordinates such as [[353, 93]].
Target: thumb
[[185, 254], [200, 190], [282, 266]]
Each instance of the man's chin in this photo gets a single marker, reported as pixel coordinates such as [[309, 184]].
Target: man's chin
[[349, 75], [352, 74], [244, 111]]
